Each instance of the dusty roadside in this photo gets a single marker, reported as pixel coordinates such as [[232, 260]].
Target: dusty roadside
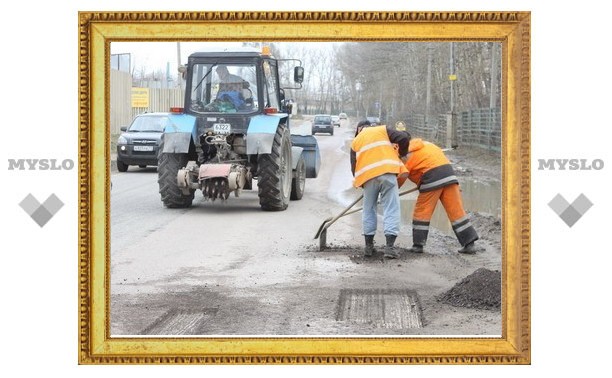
[[189, 276]]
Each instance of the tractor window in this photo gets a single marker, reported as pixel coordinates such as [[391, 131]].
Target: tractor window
[[224, 88], [271, 93]]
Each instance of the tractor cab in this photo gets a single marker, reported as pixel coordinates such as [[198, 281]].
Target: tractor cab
[[242, 83]]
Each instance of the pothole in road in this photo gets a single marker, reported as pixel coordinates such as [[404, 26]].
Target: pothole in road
[[355, 254], [181, 322], [383, 308]]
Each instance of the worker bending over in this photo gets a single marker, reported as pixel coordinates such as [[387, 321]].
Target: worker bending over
[[433, 174]]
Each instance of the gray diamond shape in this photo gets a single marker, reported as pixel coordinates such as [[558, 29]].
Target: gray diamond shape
[[570, 216], [29, 204], [41, 216], [558, 204], [582, 204], [41, 213], [53, 204]]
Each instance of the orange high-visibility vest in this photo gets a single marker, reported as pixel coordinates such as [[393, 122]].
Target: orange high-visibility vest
[[375, 155]]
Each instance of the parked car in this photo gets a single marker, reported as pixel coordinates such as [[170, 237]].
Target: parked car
[[322, 123], [335, 120], [139, 143], [373, 120], [343, 116]]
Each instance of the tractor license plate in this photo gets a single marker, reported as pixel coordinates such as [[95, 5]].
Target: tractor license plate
[[143, 148], [222, 128]]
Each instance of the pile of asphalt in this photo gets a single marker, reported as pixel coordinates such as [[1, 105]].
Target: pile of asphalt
[[481, 290]]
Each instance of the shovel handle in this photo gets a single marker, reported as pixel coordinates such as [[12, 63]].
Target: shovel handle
[[346, 212], [326, 223], [361, 208], [408, 191]]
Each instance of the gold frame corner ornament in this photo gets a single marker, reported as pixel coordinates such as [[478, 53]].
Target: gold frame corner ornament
[[98, 29]]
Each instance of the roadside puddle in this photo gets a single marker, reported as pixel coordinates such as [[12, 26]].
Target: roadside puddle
[[478, 196]]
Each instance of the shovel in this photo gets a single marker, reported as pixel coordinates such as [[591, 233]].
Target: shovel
[[322, 232]]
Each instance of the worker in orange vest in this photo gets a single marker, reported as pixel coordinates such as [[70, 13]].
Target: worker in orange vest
[[376, 165], [433, 174]]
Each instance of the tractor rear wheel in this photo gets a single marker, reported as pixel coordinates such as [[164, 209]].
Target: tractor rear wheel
[[299, 180], [168, 166], [274, 173]]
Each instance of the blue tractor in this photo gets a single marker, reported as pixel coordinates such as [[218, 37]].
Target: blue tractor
[[234, 128]]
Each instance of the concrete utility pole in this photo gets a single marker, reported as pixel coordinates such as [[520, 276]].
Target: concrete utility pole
[[493, 94], [494, 75], [452, 77], [380, 102], [358, 90], [340, 93], [451, 121], [178, 64], [428, 98]]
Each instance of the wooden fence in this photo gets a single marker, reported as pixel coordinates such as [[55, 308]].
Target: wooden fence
[[121, 110]]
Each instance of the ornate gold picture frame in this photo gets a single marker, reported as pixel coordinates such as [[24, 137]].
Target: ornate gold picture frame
[[98, 29]]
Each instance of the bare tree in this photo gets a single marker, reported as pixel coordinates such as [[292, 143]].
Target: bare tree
[[395, 79]]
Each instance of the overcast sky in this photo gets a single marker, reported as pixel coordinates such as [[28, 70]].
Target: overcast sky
[[155, 56]]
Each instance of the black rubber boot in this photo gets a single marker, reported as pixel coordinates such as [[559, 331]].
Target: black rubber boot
[[369, 245], [416, 248], [390, 250], [468, 249]]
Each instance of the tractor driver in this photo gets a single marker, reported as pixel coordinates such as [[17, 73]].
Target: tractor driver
[[228, 81], [233, 87]]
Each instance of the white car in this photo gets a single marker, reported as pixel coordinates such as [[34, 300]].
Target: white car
[[374, 120], [335, 120]]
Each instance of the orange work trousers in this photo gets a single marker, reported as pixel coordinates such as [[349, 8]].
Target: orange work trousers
[[450, 196]]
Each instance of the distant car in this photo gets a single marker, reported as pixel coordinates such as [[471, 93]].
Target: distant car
[[139, 143], [322, 123], [343, 116], [373, 120], [336, 120]]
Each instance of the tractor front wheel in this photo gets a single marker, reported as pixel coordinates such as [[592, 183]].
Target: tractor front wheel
[[168, 166]]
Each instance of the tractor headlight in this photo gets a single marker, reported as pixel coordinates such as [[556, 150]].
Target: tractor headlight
[[122, 140]]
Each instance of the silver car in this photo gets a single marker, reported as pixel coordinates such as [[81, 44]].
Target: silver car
[[335, 120], [374, 120]]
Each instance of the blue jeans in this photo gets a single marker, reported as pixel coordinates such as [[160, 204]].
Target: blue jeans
[[386, 186]]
